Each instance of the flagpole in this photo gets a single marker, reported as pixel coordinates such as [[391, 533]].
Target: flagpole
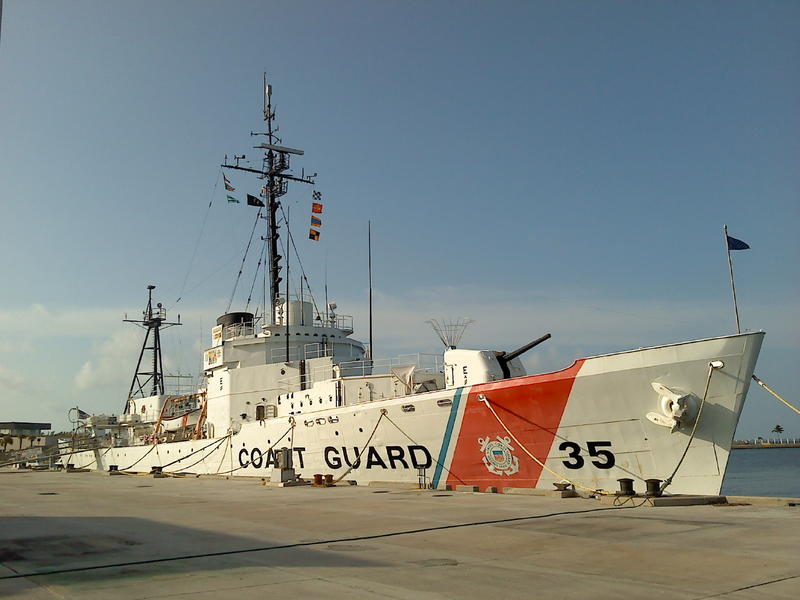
[[733, 284], [369, 261]]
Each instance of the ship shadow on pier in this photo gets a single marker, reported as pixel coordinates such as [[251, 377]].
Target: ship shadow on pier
[[98, 552]]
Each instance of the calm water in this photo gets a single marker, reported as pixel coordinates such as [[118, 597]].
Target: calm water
[[771, 472]]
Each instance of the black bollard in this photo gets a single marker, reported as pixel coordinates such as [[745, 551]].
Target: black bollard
[[653, 487], [625, 487]]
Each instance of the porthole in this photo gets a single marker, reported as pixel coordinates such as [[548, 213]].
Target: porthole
[[336, 432], [283, 371], [360, 430]]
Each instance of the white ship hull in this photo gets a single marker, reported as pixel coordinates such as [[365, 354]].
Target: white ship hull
[[587, 424]]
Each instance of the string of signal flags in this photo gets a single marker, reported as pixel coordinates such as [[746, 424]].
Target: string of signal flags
[[316, 207]]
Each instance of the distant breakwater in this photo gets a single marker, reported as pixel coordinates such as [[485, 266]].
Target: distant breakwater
[[761, 443]]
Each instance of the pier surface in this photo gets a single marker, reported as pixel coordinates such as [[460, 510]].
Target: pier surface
[[204, 538]]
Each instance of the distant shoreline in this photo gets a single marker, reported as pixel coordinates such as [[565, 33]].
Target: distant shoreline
[[738, 445]]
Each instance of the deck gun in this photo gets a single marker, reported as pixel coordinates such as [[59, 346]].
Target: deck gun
[[506, 357]]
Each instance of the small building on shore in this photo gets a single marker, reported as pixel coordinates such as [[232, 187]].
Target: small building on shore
[[21, 435]]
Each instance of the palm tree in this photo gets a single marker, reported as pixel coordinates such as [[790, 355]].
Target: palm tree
[[6, 440], [777, 429]]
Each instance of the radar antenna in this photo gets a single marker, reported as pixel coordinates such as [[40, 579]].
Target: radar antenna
[[450, 330], [153, 319]]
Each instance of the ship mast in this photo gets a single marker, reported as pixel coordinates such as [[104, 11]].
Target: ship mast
[[153, 319], [275, 165]]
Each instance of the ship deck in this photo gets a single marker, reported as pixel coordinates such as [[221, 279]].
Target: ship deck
[[217, 538]]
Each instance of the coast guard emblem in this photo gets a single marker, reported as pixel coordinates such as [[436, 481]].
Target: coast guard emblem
[[497, 455]]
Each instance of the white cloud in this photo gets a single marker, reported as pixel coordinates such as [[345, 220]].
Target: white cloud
[[95, 353], [85, 376], [583, 323], [575, 317], [111, 361], [13, 382]]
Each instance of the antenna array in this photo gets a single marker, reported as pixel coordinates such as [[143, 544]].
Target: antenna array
[[450, 330]]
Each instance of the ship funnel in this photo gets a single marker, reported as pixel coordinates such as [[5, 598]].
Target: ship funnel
[[450, 331]]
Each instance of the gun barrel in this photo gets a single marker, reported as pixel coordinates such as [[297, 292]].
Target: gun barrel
[[509, 356]]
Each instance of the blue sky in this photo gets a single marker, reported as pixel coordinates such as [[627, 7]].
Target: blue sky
[[561, 167]]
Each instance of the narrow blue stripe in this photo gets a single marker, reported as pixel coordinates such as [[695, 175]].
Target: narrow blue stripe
[[448, 432]]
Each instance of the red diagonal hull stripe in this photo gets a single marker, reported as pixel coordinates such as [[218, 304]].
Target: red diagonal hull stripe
[[531, 407]]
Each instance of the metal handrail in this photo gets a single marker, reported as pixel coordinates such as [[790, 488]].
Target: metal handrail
[[424, 363], [249, 329]]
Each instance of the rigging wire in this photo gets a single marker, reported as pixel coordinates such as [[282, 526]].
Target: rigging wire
[[212, 273], [244, 258], [199, 237], [255, 277]]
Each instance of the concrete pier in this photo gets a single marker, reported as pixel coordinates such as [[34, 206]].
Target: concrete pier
[[91, 536]]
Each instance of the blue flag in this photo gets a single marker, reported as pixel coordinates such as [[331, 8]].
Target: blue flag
[[734, 244]]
